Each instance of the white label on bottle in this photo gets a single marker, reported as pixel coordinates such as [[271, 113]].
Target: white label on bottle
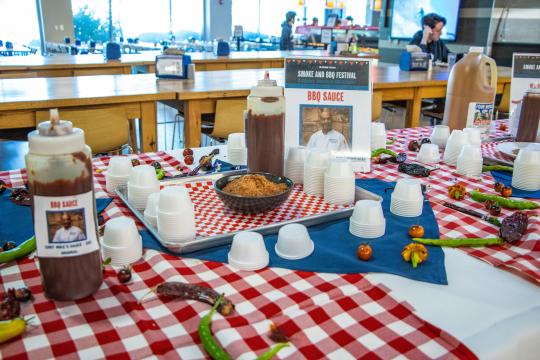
[[479, 116], [65, 225]]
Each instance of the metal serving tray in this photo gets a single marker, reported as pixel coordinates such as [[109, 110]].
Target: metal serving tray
[[222, 239]]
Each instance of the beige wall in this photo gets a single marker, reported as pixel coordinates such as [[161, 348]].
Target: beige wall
[[57, 20]]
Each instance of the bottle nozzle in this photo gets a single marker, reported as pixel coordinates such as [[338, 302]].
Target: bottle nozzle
[[266, 75], [54, 117]]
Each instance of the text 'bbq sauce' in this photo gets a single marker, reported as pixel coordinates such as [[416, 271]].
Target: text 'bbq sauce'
[[60, 179], [265, 128]]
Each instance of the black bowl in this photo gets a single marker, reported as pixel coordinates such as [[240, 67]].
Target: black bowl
[[253, 204]]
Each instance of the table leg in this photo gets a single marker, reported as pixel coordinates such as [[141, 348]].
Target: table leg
[[414, 107], [148, 126], [192, 123]]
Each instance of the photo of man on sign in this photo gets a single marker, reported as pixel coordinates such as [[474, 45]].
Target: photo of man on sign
[[326, 128]]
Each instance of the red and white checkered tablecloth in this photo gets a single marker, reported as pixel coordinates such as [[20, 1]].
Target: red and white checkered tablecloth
[[326, 315], [522, 257]]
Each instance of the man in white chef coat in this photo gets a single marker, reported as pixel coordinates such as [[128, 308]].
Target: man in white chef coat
[[327, 138], [68, 232]]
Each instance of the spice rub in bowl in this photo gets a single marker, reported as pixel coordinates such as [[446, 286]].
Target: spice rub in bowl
[[253, 192], [254, 185]]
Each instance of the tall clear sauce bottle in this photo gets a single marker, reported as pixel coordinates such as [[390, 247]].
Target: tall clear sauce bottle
[[59, 167], [265, 127]]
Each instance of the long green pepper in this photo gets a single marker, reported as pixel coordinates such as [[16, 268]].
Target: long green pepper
[[211, 346], [504, 202], [457, 242], [497, 168], [380, 151], [22, 250], [272, 352]]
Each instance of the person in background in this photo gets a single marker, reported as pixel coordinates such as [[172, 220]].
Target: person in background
[[349, 21], [429, 40], [338, 23], [285, 42], [314, 21], [327, 138]]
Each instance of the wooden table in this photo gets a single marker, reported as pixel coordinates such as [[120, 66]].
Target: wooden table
[[95, 64], [21, 99], [199, 97]]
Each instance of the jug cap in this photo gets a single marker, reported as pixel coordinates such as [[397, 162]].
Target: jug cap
[[55, 137], [476, 49], [267, 87], [266, 81]]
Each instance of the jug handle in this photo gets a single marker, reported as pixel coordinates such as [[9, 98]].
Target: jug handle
[[493, 71]]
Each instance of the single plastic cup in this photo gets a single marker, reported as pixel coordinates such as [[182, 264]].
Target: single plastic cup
[[440, 135], [297, 154], [174, 199], [378, 128], [367, 212], [406, 208], [248, 251], [474, 136], [408, 189], [150, 211], [236, 141], [455, 143], [318, 158], [340, 168], [471, 152], [143, 176], [119, 166], [293, 242], [378, 141], [528, 156], [120, 232], [429, 153]]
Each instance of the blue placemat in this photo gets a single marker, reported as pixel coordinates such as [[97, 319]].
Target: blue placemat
[[505, 177], [16, 221], [335, 247]]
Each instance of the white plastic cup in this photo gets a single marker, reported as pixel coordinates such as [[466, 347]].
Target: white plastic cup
[[429, 153], [440, 135], [455, 143], [297, 154], [150, 211], [528, 156], [119, 166], [367, 212], [408, 189], [174, 199], [474, 136], [318, 158], [120, 232], [236, 141], [293, 242], [378, 128], [340, 168], [248, 251], [143, 176]]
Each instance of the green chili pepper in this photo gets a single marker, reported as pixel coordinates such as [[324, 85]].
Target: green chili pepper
[[497, 168], [390, 141], [211, 346], [457, 242], [380, 151], [504, 202], [272, 352], [160, 174], [22, 250]]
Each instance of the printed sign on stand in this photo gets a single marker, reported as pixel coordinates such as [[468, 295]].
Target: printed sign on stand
[[328, 106], [525, 75]]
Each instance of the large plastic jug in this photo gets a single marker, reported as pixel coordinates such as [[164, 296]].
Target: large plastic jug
[[470, 93]]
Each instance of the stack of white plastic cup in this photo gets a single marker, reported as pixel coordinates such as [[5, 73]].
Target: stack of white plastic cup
[[142, 182], [429, 154], [294, 242], [294, 165], [474, 136], [407, 199], [150, 211], [117, 173], [248, 251], [236, 149], [455, 143], [470, 161], [339, 182], [440, 135], [121, 241], [175, 215], [316, 164], [378, 135], [367, 220], [526, 175]]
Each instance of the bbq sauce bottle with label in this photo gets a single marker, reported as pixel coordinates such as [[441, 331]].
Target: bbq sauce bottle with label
[[59, 169]]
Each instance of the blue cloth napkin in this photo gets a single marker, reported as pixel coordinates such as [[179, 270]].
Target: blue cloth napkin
[[505, 177], [335, 247], [16, 221], [225, 166]]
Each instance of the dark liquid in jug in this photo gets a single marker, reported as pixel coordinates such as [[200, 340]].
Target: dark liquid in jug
[[265, 139], [529, 118]]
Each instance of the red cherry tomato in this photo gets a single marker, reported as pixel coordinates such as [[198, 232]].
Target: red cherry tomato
[[188, 160], [187, 152]]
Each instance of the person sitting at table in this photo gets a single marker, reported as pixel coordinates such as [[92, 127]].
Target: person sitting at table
[[68, 232], [327, 138], [429, 40], [315, 21], [285, 42]]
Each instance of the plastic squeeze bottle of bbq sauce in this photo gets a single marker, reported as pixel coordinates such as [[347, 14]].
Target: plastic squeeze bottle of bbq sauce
[[265, 127], [470, 93], [59, 168]]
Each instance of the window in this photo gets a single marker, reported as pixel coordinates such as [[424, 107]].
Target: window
[[246, 13], [19, 23], [356, 9], [90, 20], [187, 19]]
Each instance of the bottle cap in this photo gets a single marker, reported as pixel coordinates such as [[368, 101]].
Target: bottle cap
[[55, 137], [267, 87], [476, 49]]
